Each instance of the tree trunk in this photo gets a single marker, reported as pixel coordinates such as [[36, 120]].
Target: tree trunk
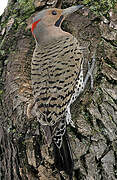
[[24, 154]]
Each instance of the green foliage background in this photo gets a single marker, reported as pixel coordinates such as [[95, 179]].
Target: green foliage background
[[100, 7]]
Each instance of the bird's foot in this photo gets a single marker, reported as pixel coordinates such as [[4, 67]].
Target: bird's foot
[[90, 72]]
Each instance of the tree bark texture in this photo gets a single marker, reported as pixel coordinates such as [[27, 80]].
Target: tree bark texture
[[24, 154]]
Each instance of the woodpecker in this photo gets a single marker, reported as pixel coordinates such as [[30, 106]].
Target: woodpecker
[[57, 79]]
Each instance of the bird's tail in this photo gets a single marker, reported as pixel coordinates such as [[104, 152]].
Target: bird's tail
[[61, 145], [63, 156]]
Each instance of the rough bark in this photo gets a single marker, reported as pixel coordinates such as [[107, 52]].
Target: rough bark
[[23, 151]]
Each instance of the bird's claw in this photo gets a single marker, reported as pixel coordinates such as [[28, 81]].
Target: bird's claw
[[90, 72]]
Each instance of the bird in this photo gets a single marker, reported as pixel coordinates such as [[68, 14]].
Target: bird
[[57, 80]]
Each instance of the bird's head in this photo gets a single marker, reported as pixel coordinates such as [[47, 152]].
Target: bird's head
[[46, 21]]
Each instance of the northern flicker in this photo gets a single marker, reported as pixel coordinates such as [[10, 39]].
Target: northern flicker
[[57, 79]]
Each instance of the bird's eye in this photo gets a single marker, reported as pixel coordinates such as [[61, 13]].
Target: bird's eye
[[54, 13]]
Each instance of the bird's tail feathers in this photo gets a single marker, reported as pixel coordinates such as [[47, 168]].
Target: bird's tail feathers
[[62, 151], [63, 155], [58, 133]]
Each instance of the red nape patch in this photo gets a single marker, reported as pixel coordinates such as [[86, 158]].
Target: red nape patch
[[34, 25]]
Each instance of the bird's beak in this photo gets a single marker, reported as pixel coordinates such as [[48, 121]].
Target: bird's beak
[[70, 10]]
